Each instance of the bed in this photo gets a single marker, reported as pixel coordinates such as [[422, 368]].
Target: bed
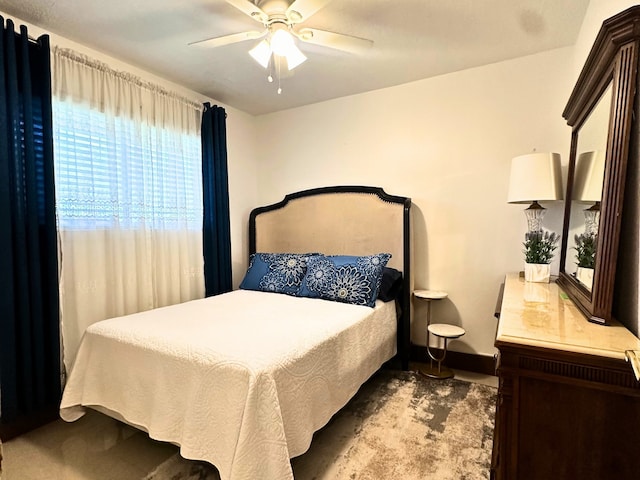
[[232, 379]]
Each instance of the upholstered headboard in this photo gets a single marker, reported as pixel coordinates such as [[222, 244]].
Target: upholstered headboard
[[344, 220]]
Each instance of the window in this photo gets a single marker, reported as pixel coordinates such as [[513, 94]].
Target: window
[[130, 213], [113, 172]]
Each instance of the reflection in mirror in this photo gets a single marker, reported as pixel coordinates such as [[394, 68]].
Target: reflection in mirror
[[587, 193]]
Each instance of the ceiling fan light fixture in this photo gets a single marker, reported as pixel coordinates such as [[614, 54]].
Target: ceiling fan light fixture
[[294, 57], [261, 53], [282, 42]]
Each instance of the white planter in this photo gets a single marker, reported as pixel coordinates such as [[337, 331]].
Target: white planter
[[537, 272], [585, 276]]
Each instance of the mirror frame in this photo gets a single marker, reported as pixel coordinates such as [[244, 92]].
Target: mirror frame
[[613, 60]]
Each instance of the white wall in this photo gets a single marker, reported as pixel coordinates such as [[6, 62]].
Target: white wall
[[597, 12], [447, 143], [243, 191], [241, 148]]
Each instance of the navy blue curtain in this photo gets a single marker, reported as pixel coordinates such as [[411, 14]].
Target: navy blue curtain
[[216, 229], [29, 313]]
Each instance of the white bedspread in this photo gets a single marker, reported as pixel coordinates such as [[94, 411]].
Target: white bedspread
[[232, 379]]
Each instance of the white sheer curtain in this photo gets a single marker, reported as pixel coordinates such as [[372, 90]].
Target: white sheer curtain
[[128, 194]]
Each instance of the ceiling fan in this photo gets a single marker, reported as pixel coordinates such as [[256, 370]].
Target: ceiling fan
[[280, 19]]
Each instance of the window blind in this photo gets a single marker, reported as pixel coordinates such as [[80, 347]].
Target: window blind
[[112, 172]]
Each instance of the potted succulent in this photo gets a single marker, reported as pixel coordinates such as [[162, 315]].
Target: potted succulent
[[539, 248], [586, 244]]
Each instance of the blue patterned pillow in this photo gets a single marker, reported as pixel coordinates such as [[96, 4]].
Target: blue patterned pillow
[[276, 272], [344, 278]]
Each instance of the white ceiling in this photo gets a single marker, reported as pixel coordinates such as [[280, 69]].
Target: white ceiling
[[413, 39]]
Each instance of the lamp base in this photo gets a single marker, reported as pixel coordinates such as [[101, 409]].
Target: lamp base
[[535, 214], [592, 219]]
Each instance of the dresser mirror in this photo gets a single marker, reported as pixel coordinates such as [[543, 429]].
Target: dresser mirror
[[586, 196], [600, 112]]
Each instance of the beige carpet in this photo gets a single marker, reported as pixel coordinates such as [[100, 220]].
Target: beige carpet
[[399, 425]]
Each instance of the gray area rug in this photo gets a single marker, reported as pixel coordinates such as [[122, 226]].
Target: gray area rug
[[399, 425]]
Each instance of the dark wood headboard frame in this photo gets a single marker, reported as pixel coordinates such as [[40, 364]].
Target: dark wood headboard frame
[[404, 320]]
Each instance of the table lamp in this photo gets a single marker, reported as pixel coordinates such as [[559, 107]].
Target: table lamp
[[587, 186], [535, 177]]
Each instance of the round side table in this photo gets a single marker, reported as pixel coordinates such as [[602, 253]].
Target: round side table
[[442, 331]]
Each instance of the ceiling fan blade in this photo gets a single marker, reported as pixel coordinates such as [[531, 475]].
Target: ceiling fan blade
[[300, 10], [229, 39], [250, 8], [338, 41]]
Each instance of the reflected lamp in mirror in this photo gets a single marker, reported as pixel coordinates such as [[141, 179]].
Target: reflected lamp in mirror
[[535, 177], [587, 187]]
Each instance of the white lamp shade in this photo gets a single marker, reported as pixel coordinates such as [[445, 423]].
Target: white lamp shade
[[261, 53], [589, 177], [535, 177], [281, 42], [294, 57]]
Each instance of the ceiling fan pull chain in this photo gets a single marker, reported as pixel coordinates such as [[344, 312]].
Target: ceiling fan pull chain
[[270, 76], [278, 63]]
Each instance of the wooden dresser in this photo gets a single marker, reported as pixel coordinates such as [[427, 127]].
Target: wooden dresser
[[568, 402]]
